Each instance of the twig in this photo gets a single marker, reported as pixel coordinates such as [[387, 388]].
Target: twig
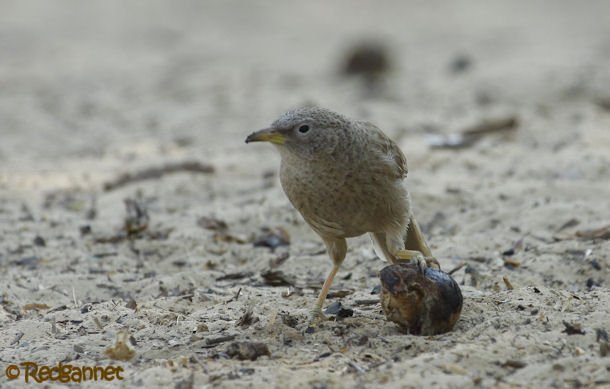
[[509, 286], [491, 126], [235, 297], [356, 367], [213, 342], [366, 302], [158, 172], [74, 298], [455, 269], [469, 136]]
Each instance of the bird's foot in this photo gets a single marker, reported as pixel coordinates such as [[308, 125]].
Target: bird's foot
[[316, 317], [417, 258], [433, 263]]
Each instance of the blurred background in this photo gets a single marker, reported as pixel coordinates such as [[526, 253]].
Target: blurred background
[[501, 107], [116, 80]]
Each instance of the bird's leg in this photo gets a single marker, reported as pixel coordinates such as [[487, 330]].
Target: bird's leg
[[415, 239], [316, 312], [337, 248], [416, 245]]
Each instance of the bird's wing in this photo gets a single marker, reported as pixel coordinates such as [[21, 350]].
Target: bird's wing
[[387, 152]]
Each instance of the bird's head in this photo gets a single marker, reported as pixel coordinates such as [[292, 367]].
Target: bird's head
[[308, 133]]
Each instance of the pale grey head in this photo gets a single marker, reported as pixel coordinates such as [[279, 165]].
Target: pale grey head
[[309, 132]]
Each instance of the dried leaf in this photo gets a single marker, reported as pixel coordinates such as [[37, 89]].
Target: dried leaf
[[120, 351], [35, 306], [223, 236], [211, 223], [247, 318], [597, 233], [131, 304], [511, 263], [247, 350], [277, 278], [573, 328]]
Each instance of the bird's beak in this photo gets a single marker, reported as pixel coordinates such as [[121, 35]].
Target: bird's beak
[[267, 135]]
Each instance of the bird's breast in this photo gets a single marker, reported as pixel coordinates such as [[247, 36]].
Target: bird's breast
[[344, 201]]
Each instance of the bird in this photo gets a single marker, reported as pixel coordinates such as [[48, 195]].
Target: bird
[[346, 179]]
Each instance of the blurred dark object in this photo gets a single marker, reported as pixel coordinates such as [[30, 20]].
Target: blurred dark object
[[136, 218], [39, 241], [277, 278], [369, 60], [339, 310], [421, 304], [573, 328], [212, 223], [247, 350], [29, 263], [460, 63], [601, 336], [135, 225], [603, 102], [272, 238]]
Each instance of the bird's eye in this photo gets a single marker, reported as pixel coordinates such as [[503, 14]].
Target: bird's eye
[[304, 128]]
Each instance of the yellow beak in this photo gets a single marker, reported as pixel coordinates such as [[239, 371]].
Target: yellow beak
[[267, 135]]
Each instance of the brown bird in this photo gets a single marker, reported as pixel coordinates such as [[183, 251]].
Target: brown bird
[[345, 177]]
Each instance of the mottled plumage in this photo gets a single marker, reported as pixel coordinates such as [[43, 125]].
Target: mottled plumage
[[346, 178]]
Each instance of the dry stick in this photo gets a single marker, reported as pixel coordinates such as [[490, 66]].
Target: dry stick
[[235, 297], [157, 172], [470, 135], [492, 125], [212, 342], [98, 323], [455, 269], [509, 286], [356, 367], [489, 126], [367, 302], [74, 297]]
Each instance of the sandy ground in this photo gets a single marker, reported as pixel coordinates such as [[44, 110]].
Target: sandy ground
[[92, 90]]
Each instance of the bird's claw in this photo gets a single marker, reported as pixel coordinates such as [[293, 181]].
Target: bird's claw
[[426, 262], [316, 317], [418, 259], [433, 263], [420, 262]]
